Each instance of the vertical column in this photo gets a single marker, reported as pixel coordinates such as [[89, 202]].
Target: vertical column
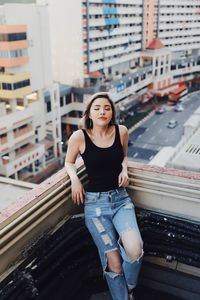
[[13, 104], [43, 161], [33, 167], [12, 155], [2, 109], [56, 119], [25, 100], [16, 175], [150, 21]]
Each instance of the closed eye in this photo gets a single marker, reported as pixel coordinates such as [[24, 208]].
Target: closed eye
[[105, 108]]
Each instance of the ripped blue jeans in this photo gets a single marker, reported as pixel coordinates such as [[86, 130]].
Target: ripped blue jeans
[[107, 216]]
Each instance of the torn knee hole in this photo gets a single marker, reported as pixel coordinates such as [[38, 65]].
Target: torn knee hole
[[113, 270], [135, 255], [113, 264]]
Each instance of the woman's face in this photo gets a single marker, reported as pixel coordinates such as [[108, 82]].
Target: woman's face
[[101, 112]]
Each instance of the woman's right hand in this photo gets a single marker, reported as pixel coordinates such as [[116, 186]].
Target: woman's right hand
[[78, 192]]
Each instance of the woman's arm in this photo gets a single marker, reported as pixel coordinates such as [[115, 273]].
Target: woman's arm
[[73, 150], [123, 176]]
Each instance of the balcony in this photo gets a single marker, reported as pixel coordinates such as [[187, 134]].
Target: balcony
[[23, 131], [167, 206], [3, 140], [183, 69], [12, 94], [24, 157]]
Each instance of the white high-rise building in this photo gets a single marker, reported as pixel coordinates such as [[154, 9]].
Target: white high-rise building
[[93, 39], [26, 75], [179, 25]]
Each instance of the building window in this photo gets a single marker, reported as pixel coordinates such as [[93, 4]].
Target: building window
[[13, 53], [129, 83], [68, 99], [21, 84], [61, 101], [13, 37], [18, 53], [4, 54], [6, 86], [48, 106]]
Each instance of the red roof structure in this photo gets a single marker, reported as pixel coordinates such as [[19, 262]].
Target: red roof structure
[[156, 44], [95, 74], [182, 87]]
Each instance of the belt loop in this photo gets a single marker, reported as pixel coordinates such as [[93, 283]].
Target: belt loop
[[98, 194]]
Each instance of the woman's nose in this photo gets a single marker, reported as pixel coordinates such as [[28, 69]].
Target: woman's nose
[[102, 111]]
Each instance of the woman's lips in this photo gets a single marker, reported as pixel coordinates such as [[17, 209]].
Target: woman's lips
[[102, 118]]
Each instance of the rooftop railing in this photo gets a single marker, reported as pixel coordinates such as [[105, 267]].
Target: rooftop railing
[[162, 196]]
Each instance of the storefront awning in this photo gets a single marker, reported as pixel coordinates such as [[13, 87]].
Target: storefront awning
[[179, 89]]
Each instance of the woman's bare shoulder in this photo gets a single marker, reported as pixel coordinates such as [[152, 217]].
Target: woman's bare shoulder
[[123, 129], [77, 136]]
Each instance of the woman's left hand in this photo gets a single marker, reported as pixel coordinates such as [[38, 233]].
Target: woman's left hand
[[123, 179]]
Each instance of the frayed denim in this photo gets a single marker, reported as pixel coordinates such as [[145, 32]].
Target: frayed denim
[[107, 216]]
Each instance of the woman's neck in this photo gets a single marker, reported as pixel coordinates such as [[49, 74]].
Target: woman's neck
[[100, 130]]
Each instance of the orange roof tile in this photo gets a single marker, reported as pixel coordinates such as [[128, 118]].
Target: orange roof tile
[[156, 44], [95, 74]]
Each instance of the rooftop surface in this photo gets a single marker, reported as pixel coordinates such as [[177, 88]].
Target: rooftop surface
[[188, 157], [11, 190]]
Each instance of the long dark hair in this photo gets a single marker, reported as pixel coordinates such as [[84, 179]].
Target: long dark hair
[[86, 122]]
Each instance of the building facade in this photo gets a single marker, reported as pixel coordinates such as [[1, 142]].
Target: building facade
[[58, 53], [26, 135], [126, 47]]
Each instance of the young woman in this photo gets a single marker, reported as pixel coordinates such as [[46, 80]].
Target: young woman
[[109, 211]]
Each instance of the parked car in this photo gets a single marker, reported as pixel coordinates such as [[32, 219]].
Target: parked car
[[172, 124], [179, 107], [160, 110]]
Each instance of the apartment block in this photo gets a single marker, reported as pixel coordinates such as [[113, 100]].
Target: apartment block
[[179, 25], [27, 138], [94, 42], [96, 45], [94, 39], [112, 32]]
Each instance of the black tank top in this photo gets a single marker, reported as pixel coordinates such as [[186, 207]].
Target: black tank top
[[103, 165]]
